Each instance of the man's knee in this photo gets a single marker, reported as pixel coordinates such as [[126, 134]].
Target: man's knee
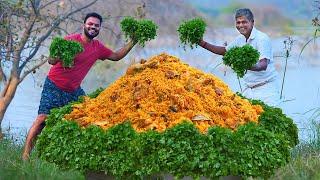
[[40, 120]]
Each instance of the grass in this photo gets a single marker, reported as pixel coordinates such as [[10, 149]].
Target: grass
[[305, 163], [305, 166], [12, 167]]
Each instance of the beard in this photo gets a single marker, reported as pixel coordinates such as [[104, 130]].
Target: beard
[[91, 35]]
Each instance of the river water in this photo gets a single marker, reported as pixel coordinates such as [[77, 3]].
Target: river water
[[301, 94]]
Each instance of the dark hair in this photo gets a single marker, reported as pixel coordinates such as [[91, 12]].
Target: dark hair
[[93, 14], [244, 12]]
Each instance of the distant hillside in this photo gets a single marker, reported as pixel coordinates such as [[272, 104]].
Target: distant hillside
[[270, 12]]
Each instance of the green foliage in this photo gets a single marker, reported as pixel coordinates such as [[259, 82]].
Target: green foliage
[[64, 50], [258, 146], [240, 59], [301, 168], [95, 93], [250, 151], [129, 26], [14, 168], [139, 31], [306, 161], [274, 120], [316, 24], [56, 114], [191, 32]]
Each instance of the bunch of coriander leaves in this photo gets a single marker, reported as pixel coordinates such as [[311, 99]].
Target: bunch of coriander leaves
[[64, 50], [139, 31], [191, 32], [240, 59]]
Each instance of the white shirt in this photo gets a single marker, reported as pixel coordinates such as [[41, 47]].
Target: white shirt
[[261, 42]]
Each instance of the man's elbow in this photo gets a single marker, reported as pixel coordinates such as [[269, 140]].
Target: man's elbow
[[262, 67], [115, 57], [265, 66]]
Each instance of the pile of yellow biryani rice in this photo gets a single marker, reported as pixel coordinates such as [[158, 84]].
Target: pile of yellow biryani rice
[[161, 92]]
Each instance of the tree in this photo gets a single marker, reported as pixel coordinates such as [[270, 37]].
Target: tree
[[316, 24], [25, 25]]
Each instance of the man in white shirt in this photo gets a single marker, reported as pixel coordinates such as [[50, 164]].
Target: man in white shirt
[[261, 80]]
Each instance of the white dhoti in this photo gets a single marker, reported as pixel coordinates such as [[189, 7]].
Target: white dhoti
[[268, 92]]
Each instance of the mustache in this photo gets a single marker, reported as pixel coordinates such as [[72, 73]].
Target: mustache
[[92, 29], [89, 35]]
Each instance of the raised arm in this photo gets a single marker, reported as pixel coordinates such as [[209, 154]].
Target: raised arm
[[213, 48], [121, 53]]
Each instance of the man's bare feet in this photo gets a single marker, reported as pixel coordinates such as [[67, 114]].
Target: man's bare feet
[[35, 129], [25, 156], [1, 135]]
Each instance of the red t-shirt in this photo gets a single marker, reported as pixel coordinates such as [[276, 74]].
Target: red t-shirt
[[69, 79]]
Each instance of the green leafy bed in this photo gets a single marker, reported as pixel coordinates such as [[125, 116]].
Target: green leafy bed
[[251, 150]]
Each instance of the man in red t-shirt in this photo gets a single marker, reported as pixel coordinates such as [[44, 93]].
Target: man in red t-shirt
[[62, 85]]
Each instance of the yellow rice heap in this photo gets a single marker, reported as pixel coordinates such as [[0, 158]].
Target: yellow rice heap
[[162, 92]]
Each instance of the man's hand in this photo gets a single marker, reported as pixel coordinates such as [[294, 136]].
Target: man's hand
[[213, 48], [261, 65], [121, 53], [53, 61]]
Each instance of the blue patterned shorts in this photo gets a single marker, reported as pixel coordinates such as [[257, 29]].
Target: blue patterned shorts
[[52, 97]]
